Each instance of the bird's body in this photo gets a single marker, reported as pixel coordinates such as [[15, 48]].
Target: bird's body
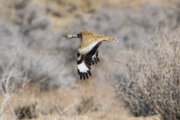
[[87, 53]]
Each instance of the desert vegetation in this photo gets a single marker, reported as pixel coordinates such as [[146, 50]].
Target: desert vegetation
[[138, 77], [154, 77]]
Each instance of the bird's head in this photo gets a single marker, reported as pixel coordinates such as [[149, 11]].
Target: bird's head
[[69, 36]]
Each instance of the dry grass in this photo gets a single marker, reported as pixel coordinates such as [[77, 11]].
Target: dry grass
[[35, 58], [63, 12], [154, 84], [86, 101]]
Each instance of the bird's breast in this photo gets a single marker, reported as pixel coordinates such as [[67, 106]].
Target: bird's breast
[[86, 48]]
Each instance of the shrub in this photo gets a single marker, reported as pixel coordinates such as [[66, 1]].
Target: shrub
[[153, 86]]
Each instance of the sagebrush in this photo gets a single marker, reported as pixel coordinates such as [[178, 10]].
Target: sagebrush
[[153, 86]]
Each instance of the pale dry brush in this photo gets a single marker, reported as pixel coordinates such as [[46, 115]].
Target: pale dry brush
[[153, 86]]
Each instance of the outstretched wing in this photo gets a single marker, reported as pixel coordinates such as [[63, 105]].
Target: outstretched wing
[[95, 58], [84, 62]]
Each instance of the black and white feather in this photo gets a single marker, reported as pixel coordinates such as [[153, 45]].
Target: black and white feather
[[85, 61]]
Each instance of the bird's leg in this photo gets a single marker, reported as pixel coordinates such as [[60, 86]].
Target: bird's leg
[[97, 57]]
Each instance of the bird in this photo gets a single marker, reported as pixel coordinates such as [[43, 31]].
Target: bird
[[87, 52]]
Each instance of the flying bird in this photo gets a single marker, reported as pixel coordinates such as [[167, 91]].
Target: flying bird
[[87, 53]]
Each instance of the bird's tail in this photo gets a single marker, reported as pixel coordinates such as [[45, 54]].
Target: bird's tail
[[110, 39]]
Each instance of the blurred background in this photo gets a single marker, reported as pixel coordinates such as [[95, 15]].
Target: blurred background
[[137, 79]]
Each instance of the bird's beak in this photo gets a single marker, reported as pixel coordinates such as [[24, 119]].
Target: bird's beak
[[69, 36]]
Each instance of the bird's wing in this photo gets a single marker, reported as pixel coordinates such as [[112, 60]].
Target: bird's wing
[[95, 58], [84, 62]]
